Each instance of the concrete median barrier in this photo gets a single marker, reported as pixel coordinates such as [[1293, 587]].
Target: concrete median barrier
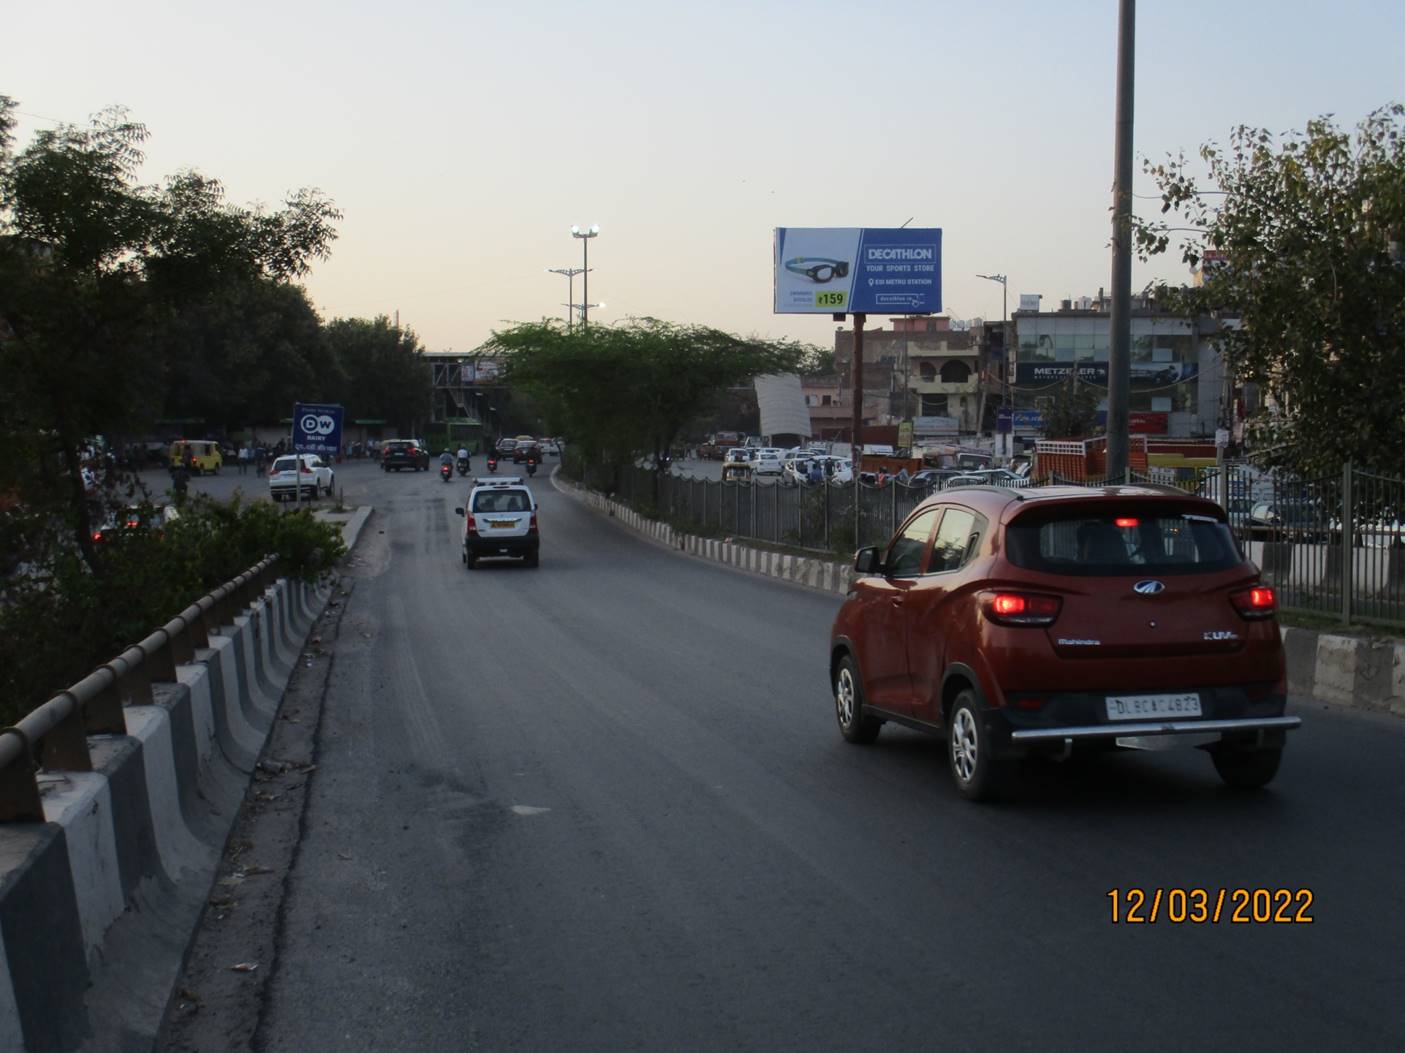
[[98, 899]]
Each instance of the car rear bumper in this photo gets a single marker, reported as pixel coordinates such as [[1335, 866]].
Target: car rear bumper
[[1139, 729], [503, 546]]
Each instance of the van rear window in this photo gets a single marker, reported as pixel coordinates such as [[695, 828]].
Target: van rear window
[[1130, 540]]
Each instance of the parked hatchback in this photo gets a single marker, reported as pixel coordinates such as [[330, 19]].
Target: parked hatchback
[[1016, 621]]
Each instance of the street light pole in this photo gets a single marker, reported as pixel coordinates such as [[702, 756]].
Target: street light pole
[[585, 236], [570, 273]]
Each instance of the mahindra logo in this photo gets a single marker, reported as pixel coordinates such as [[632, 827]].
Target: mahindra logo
[[1148, 588]]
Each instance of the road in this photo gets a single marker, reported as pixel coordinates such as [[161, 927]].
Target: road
[[602, 805]]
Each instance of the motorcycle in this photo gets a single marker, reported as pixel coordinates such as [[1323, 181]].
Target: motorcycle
[[446, 471], [492, 464], [531, 466], [463, 465]]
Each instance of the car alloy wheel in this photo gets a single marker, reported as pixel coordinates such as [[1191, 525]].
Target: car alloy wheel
[[854, 724], [978, 775], [964, 745]]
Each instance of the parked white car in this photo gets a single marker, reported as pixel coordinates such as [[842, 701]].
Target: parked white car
[[767, 462], [286, 478]]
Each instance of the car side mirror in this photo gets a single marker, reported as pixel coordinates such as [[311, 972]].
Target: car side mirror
[[458, 511], [868, 560]]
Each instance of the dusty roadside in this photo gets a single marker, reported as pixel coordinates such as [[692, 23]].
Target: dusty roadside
[[218, 999]]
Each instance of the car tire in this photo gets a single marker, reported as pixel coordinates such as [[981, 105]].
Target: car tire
[[470, 561], [534, 560], [978, 775], [854, 724], [1247, 769]]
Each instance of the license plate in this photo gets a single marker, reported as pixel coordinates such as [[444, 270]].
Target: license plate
[[501, 524], [1139, 707]]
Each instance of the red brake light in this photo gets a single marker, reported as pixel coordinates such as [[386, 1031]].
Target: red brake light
[[472, 523], [532, 526], [1258, 602], [1022, 608], [97, 535], [1126, 521]]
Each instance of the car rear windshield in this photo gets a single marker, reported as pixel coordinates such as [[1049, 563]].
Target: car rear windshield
[[1124, 541], [285, 464], [502, 501]]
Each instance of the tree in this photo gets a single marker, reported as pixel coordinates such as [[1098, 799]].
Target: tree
[[94, 266], [385, 373], [623, 391], [1073, 409], [1307, 230]]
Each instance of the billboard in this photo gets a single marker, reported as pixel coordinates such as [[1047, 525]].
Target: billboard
[[1144, 374], [316, 428], [849, 270]]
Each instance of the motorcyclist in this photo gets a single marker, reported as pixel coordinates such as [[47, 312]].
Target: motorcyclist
[[463, 460]]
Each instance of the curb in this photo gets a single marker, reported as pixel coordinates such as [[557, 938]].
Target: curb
[[804, 571], [98, 903], [1349, 671]]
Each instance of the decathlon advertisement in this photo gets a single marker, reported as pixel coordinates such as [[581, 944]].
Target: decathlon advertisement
[[848, 270]]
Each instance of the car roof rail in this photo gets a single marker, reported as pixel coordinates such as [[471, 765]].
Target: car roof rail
[[498, 480]]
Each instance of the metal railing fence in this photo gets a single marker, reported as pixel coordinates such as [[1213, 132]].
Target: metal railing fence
[[53, 737], [1331, 545]]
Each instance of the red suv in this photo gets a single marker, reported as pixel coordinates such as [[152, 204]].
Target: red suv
[[1037, 620]]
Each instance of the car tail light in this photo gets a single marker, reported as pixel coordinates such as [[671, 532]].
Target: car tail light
[[97, 535], [1258, 602], [532, 526], [1126, 521], [472, 523], [1021, 608]]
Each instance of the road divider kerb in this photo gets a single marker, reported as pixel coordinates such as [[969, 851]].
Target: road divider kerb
[[98, 901], [1358, 672]]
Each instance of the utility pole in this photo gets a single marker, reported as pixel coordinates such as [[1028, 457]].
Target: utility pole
[[1119, 366], [856, 443]]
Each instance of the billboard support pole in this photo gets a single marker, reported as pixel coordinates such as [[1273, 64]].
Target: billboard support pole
[[856, 439]]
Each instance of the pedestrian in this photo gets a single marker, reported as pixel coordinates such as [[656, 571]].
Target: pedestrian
[[180, 480], [243, 456], [903, 477]]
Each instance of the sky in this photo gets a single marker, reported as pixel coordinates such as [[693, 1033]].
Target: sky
[[462, 140]]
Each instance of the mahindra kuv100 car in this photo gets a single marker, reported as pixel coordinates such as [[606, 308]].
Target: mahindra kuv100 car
[[1061, 618]]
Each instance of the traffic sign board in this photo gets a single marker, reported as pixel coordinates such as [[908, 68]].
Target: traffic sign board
[[317, 428]]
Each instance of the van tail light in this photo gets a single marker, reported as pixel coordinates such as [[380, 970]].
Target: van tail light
[[532, 526], [1021, 608], [1258, 602], [472, 524]]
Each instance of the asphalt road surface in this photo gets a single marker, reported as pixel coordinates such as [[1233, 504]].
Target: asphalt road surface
[[602, 805]]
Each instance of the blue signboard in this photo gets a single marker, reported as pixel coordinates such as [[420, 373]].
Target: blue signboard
[[1004, 418], [850, 270], [316, 428], [1028, 420]]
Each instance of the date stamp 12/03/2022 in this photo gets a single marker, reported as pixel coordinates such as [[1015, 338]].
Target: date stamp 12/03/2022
[[1211, 906]]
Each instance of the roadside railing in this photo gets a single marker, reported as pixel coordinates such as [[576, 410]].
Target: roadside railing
[[53, 737], [1332, 546]]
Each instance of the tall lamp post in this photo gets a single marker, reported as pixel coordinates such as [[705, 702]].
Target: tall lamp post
[[585, 236], [583, 307], [570, 273]]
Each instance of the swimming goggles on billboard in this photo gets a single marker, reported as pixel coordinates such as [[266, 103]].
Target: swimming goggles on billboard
[[820, 269]]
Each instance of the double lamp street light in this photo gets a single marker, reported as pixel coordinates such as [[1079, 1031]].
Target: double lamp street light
[[570, 272]]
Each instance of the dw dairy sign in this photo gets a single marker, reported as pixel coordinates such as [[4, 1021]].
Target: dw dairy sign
[[316, 428], [851, 270]]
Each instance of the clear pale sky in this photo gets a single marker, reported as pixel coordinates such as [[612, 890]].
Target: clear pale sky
[[462, 140]]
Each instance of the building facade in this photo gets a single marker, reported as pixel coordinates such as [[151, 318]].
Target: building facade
[[1177, 377]]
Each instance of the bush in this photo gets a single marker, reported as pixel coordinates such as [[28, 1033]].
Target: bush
[[62, 618]]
